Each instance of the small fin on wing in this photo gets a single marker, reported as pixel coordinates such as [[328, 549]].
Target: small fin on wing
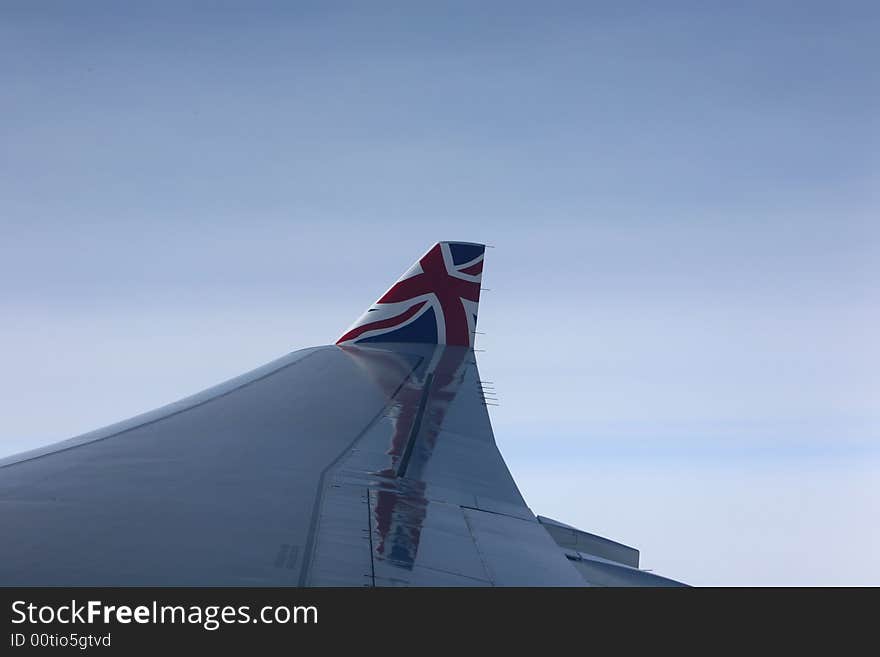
[[434, 302]]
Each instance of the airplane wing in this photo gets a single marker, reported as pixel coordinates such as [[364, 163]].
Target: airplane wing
[[370, 462]]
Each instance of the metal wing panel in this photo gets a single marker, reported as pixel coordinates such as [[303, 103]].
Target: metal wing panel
[[222, 492], [344, 466]]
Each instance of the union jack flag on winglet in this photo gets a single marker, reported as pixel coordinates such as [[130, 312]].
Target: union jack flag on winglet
[[434, 302]]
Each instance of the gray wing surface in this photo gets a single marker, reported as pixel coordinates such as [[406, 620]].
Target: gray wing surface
[[343, 466]]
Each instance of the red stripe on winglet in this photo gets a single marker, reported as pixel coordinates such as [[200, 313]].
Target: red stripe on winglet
[[382, 323], [474, 269]]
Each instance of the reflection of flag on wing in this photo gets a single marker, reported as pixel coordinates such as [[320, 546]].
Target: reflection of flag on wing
[[398, 514], [434, 302]]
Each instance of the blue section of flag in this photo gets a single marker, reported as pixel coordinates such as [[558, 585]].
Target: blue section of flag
[[422, 329], [462, 253]]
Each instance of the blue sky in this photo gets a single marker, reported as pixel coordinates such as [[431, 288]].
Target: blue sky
[[683, 203]]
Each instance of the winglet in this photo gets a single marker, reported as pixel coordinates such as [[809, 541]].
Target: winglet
[[434, 302]]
